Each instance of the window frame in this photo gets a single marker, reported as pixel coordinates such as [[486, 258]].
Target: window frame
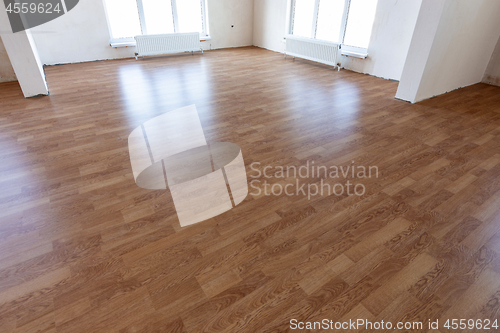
[[349, 49], [130, 41]]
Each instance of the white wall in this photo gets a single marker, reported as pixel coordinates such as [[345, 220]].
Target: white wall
[[390, 39], [6, 71], [79, 35], [223, 14], [82, 34], [492, 73], [269, 24], [461, 49]]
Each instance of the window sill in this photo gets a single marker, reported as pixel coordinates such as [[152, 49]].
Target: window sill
[[127, 43], [121, 44], [355, 52]]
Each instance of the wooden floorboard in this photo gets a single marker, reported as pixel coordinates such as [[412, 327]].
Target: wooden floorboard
[[84, 249]]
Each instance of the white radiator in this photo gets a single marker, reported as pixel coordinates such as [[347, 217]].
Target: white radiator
[[312, 49], [167, 43]]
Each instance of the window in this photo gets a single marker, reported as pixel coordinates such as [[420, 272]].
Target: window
[[155, 16], [303, 18], [129, 18], [347, 22], [329, 22], [360, 22]]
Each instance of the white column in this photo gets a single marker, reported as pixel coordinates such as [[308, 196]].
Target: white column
[[451, 47], [427, 24], [24, 58]]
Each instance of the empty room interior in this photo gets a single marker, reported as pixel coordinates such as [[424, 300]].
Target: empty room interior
[[250, 166]]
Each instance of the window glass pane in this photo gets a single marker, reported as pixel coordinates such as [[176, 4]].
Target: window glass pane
[[330, 19], [158, 16], [123, 18], [360, 22], [189, 15], [303, 18]]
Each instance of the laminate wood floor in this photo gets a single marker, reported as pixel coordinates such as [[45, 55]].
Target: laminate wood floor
[[84, 249]]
